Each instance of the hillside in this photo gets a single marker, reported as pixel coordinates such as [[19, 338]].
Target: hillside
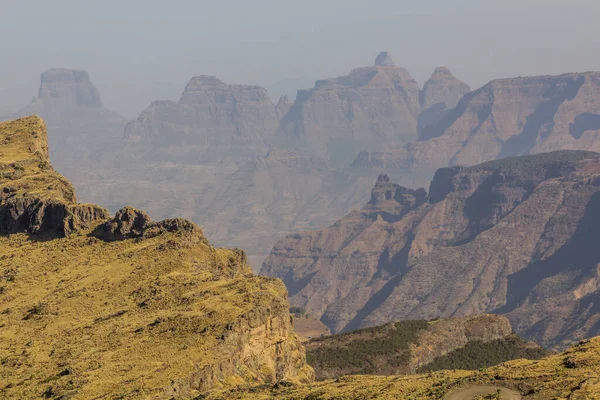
[[123, 307], [513, 236], [569, 375], [405, 347]]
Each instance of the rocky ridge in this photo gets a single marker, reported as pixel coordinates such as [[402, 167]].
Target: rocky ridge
[[506, 117], [93, 306], [370, 108], [511, 236]]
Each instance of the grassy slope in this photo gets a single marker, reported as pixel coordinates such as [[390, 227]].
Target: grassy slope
[[573, 374], [83, 318]]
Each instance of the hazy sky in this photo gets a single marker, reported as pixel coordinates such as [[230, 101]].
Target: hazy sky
[[137, 51]]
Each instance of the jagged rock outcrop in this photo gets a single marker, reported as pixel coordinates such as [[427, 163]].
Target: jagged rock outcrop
[[124, 307], [372, 107], [512, 236], [212, 119]]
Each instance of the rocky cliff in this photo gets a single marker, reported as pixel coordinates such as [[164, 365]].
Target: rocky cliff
[[440, 94], [211, 120], [123, 307], [371, 106], [507, 117], [513, 236]]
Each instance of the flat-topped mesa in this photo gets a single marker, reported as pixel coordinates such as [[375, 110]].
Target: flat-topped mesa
[[209, 89], [384, 59], [67, 88], [212, 120]]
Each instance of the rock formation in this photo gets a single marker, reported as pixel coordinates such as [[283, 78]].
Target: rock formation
[[512, 236], [370, 108], [124, 307], [506, 117], [211, 120], [440, 94]]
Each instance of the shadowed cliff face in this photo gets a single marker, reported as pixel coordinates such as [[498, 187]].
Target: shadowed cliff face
[[509, 236], [124, 307], [505, 118]]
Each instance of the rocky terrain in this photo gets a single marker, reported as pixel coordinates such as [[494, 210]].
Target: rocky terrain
[[369, 109], [569, 375], [212, 156], [211, 121], [506, 117], [124, 307], [513, 236], [402, 348]]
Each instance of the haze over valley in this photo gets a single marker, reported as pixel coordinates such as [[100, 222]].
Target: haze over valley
[[309, 201]]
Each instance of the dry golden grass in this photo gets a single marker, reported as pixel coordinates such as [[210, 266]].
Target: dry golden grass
[[160, 317]]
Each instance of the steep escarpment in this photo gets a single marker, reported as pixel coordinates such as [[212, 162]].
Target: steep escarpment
[[511, 236], [509, 117], [93, 306], [371, 106], [211, 120], [401, 348]]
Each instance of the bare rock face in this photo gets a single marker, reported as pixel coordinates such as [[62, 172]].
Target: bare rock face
[[372, 107], [210, 120], [440, 94], [512, 117], [62, 88], [513, 236]]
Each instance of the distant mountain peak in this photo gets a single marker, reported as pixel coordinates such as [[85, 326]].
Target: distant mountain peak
[[67, 88], [384, 59]]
